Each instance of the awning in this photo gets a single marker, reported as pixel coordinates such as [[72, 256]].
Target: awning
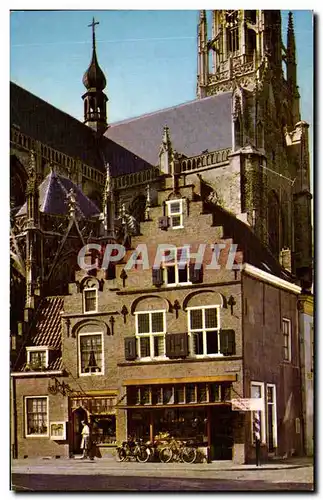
[[180, 380]]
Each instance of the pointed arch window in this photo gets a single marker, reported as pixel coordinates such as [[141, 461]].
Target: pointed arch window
[[232, 30]]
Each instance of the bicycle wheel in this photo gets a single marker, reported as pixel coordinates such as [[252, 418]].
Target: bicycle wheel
[[142, 454], [122, 455], [189, 455], [165, 455]]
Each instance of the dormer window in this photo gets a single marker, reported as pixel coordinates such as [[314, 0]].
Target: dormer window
[[175, 213], [37, 357], [90, 300]]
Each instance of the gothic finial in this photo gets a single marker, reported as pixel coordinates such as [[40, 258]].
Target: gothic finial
[[203, 15], [71, 202], [147, 208]]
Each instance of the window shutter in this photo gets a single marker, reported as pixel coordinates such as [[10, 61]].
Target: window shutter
[[227, 342], [196, 275], [176, 345], [163, 222], [157, 276], [170, 345], [130, 348]]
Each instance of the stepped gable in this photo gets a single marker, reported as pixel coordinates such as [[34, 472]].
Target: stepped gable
[[53, 193], [195, 126]]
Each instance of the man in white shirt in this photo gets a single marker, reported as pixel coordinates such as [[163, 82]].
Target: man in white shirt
[[85, 444]]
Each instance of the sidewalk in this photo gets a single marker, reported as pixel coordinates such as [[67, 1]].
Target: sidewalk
[[110, 464]]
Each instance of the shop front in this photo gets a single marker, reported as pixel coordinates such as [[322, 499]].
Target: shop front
[[99, 410], [195, 411]]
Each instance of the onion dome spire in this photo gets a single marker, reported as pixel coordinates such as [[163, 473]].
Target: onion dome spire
[[94, 76], [95, 100]]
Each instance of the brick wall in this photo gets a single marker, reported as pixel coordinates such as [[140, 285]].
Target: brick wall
[[264, 307]]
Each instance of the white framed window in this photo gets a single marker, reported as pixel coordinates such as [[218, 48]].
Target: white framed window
[[37, 357], [175, 213], [176, 265], [90, 300], [287, 346], [271, 417], [91, 360], [150, 334], [204, 330], [258, 391], [36, 416]]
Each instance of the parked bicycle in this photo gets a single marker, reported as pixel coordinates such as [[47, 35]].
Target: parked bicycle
[[178, 451], [132, 449]]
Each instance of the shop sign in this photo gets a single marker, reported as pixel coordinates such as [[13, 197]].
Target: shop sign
[[247, 404]]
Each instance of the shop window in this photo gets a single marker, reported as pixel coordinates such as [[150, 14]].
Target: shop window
[[202, 393], [104, 429], [36, 416], [214, 393], [90, 300], [257, 391], [175, 213], [191, 396], [150, 334], [143, 395], [287, 351], [157, 395], [204, 331], [168, 395], [180, 394], [91, 354]]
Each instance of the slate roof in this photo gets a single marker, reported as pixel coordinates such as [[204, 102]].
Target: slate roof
[[51, 126], [194, 127], [53, 197]]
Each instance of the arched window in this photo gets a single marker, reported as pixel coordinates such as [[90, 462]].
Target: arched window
[[232, 28], [237, 133]]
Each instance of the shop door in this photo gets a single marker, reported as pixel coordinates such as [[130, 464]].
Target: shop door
[[76, 437], [221, 429]]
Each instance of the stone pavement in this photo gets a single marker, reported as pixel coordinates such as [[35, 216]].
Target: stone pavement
[[289, 470]]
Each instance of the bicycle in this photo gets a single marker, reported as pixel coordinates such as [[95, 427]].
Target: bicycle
[[133, 449], [179, 452]]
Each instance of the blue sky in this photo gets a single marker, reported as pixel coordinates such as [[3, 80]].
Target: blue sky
[[148, 57]]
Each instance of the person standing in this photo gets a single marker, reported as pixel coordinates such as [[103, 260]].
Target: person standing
[[85, 443]]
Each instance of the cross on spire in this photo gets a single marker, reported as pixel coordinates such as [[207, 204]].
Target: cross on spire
[[92, 25]]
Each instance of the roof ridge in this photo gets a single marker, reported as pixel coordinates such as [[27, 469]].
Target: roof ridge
[[152, 113]]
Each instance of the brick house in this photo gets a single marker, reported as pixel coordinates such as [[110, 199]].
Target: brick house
[[142, 349]]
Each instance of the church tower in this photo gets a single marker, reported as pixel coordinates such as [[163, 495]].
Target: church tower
[[95, 100], [242, 43], [244, 54]]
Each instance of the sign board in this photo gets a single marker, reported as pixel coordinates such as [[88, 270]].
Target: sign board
[[247, 404]]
